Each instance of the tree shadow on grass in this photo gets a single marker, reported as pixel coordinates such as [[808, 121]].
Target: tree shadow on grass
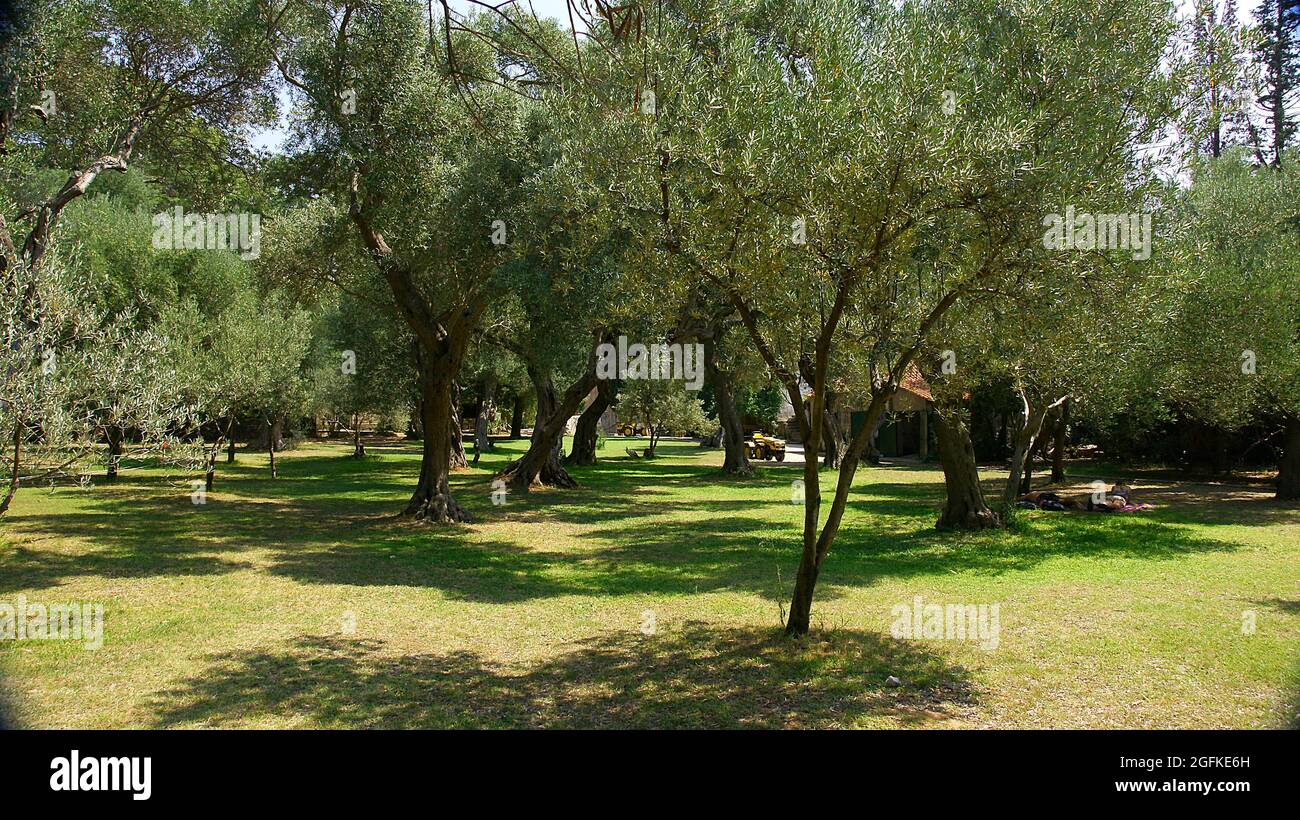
[[26, 569], [611, 491], [1174, 501], [695, 676], [314, 540], [1280, 604], [356, 540], [146, 527], [498, 571], [608, 490], [347, 532], [150, 532], [742, 552], [1229, 509]]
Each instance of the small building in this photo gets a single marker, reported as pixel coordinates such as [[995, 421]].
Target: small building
[[905, 428]]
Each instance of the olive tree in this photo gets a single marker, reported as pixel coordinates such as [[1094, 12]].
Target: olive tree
[[796, 158], [66, 369], [426, 168], [1232, 350], [116, 80], [361, 365]]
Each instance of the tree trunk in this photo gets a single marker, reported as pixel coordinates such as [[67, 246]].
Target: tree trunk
[[517, 418], [217, 447], [1288, 472], [873, 454], [1039, 449], [964, 507], [432, 499], [817, 539], [836, 437], [1026, 438], [358, 449], [47, 214], [114, 433], [13, 477], [541, 463], [458, 459], [440, 344], [1027, 476], [586, 434], [486, 409], [272, 438], [654, 440], [271, 434], [1058, 446], [230, 445], [1278, 59], [734, 460]]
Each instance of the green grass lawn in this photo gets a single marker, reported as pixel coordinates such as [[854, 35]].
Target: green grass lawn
[[239, 613]]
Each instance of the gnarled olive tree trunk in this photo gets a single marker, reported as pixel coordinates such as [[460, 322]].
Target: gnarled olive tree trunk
[[441, 339], [432, 499], [586, 433], [964, 508], [734, 460], [541, 464]]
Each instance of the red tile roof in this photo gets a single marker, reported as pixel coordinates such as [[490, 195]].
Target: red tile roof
[[914, 383]]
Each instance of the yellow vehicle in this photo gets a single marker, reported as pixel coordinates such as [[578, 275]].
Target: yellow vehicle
[[764, 447], [629, 428]]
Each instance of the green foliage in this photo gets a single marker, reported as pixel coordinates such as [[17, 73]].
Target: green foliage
[[362, 362], [665, 407], [274, 337], [1277, 51], [762, 404], [1230, 340], [72, 370], [195, 72]]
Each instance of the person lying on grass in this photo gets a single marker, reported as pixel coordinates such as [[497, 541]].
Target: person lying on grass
[[1118, 499]]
